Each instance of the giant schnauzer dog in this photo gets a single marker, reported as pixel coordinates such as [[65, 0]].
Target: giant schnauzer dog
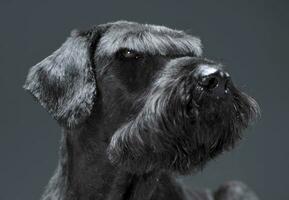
[[138, 104]]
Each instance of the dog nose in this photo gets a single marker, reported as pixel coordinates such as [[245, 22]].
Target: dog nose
[[213, 80]]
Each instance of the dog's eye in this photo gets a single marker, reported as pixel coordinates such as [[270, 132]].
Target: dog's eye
[[129, 54]]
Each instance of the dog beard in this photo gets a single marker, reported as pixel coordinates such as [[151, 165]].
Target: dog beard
[[180, 127]]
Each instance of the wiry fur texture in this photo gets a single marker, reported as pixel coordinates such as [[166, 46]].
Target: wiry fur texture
[[133, 112], [166, 134], [64, 83], [148, 38]]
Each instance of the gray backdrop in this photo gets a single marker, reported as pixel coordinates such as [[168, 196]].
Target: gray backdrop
[[250, 37]]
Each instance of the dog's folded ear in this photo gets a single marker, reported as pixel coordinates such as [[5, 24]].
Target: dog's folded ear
[[64, 83]]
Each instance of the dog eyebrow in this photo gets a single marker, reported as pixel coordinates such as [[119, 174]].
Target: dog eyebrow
[[149, 39]]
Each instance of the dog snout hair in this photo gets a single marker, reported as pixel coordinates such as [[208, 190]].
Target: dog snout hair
[[177, 106]]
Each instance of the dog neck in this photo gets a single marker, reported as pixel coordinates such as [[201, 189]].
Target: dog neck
[[84, 172]]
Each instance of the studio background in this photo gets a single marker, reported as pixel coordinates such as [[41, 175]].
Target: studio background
[[250, 37]]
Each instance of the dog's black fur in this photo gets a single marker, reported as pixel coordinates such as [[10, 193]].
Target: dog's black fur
[[133, 114]]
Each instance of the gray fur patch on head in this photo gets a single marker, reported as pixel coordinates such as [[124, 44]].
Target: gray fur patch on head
[[148, 38], [64, 83]]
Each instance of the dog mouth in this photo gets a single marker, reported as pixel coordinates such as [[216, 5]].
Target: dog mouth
[[214, 125], [220, 116], [233, 104]]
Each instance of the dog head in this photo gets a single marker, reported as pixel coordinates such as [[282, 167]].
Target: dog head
[[162, 104]]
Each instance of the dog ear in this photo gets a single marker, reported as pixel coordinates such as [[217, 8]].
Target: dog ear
[[64, 83]]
